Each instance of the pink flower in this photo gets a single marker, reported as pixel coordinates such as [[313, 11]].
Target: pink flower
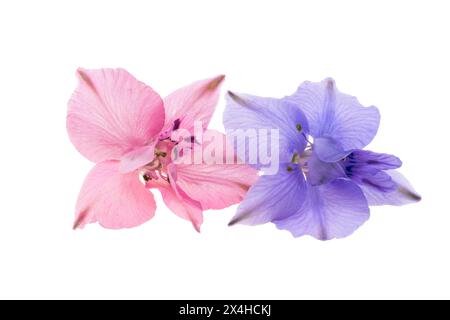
[[125, 128]]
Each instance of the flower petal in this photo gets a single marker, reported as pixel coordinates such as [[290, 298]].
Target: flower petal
[[195, 102], [246, 118], [377, 179], [367, 168], [111, 113], [329, 150], [332, 210], [137, 158], [215, 186], [374, 160], [335, 115], [183, 207], [215, 182], [320, 172], [404, 192], [113, 199], [272, 197]]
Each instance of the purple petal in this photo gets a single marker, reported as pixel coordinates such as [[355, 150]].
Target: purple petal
[[245, 112], [366, 167], [404, 192], [272, 197], [329, 150], [332, 210], [377, 179], [332, 114], [320, 172], [380, 161]]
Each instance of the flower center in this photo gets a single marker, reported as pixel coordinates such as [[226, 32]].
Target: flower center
[[156, 171], [301, 160]]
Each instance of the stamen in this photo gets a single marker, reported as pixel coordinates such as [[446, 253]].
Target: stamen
[[147, 176], [299, 127], [160, 153], [295, 158], [289, 168]]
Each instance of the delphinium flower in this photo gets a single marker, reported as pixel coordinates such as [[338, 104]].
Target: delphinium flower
[[125, 127], [325, 182]]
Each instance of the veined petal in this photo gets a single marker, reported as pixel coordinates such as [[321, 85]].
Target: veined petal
[[404, 192], [249, 119], [367, 168], [137, 158], [377, 179], [111, 113], [320, 172], [335, 115], [329, 150], [332, 210], [273, 197], [215, 186], [113, 199], [183, 206], [374, 160], [195, 102], [217, 180]]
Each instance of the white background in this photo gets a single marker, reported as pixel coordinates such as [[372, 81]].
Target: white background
[[393, 54]]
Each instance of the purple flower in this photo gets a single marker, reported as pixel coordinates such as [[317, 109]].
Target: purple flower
[[325, 182]]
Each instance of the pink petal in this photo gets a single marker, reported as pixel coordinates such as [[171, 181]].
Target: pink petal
[[215, 186], [183, 206], [111, 113], [113, 199], [177, 200], [195, 102], [137, 158]]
